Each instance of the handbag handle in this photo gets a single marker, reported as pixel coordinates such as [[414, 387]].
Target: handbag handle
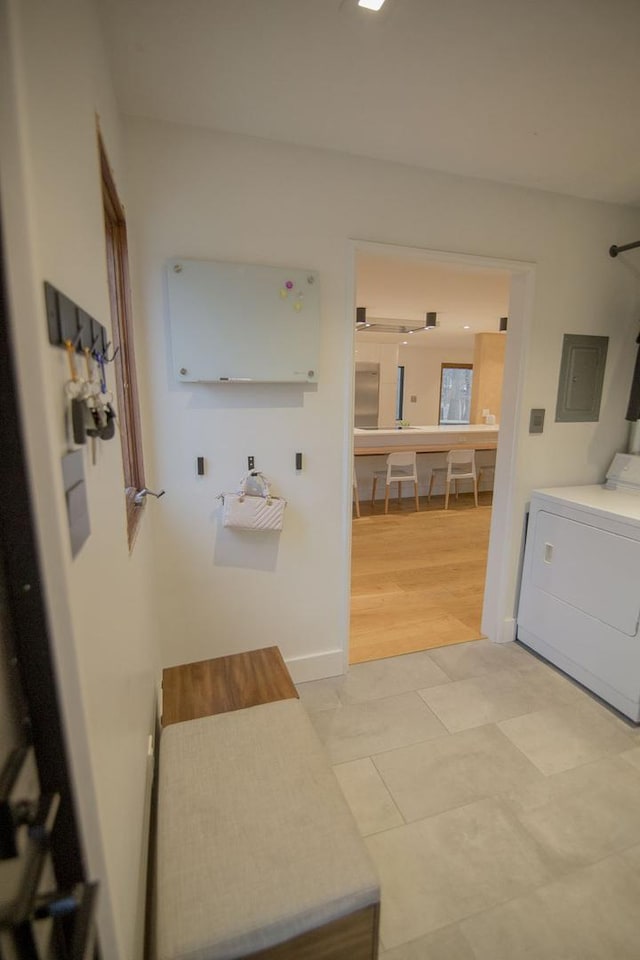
[[258, 480]]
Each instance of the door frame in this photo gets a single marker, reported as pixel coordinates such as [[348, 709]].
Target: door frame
[[498, 613], [23, 278], [24, 588]]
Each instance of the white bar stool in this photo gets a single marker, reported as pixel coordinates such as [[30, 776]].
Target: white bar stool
[[400, 467], [461, 465], [487, 468]]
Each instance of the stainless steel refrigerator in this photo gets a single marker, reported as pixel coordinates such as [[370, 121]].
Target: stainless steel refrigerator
[[367, 394]]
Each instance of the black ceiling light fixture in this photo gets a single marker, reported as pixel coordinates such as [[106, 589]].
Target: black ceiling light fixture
[[503, 324], [431, 320]]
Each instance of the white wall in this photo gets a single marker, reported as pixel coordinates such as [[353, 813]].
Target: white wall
[[53, 82], [421, 377], [422, 367], [199, 194]]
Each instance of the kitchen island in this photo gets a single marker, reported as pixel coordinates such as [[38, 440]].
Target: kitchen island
[[431, 442], [430, 439]]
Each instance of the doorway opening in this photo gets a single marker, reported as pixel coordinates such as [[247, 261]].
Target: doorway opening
[[427, 578]]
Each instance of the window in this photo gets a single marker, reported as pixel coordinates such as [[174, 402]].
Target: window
[[126, 383], [455, 392], [400, 394]]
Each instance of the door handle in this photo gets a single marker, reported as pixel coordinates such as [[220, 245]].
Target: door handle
[[141, 495]]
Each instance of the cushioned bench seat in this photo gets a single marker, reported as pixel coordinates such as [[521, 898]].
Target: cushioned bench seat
[[256, 844]]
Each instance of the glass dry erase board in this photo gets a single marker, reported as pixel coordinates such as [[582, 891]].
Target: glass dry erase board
[[236, 322]]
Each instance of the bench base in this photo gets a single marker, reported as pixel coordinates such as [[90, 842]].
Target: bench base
[[354, 937], [241, 680], [258, 853]]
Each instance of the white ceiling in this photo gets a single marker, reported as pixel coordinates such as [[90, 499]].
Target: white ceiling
[[542, 93], [405, 287]]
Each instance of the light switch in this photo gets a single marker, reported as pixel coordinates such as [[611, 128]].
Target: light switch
[[536, 421]]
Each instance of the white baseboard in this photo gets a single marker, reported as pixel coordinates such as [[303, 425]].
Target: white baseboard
[[317, 666], [507, 630]]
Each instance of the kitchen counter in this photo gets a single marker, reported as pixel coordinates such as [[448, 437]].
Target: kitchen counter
[[425, 439]]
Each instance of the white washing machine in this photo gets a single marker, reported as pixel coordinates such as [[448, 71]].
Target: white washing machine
[[580, 593]]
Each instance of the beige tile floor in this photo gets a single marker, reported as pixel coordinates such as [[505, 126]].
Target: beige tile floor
[[499, 801]]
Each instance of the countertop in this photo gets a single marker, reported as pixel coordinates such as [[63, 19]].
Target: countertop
[[425, 439], [436, 429]]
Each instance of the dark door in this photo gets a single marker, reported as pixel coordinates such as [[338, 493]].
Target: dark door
[[46, 905]]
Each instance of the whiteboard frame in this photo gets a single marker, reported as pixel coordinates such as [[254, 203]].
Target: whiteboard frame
[[243, 323]]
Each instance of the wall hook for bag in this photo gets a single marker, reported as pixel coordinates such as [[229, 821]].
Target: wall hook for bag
[[108, 359], [78, 337]]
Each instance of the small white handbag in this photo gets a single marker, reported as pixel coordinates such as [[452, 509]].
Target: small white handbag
[[258, 510]]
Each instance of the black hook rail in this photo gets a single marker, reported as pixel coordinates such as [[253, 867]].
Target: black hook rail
[[615, 250], [67, 321]]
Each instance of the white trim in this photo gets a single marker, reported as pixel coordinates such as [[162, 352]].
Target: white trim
[[498, 621], [347, 465], [507, 631], [500, 588], [317, 666], [440, 256]]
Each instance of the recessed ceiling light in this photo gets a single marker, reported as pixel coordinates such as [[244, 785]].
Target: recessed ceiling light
[[466, 327], [404, 343], [371, 4]]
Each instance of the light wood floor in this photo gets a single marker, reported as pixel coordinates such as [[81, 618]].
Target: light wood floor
[[417, 579]]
